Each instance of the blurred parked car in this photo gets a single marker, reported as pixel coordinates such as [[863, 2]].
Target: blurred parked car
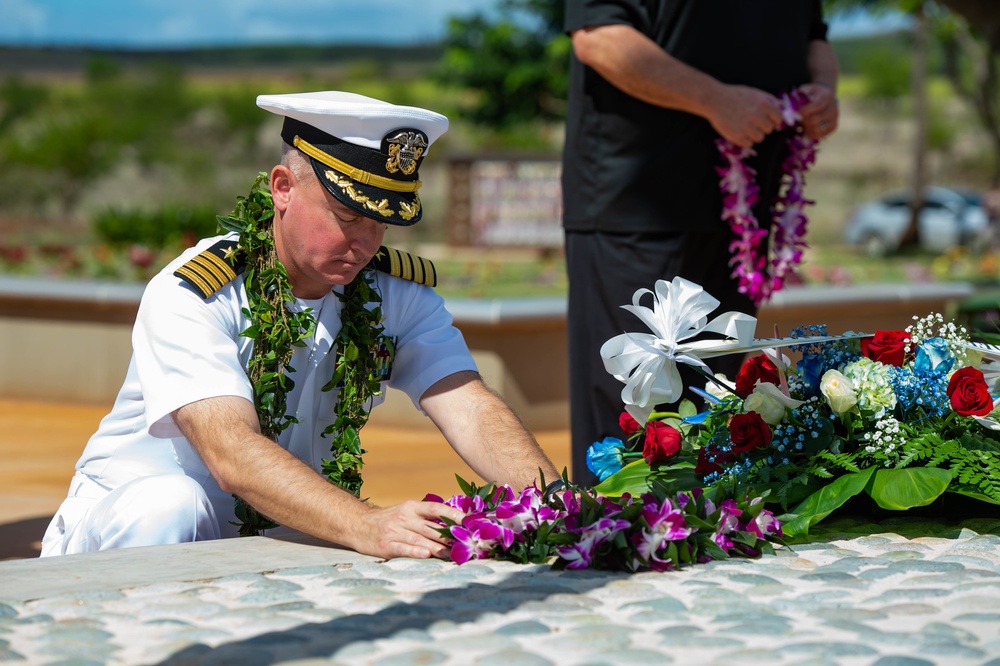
[[949, 217]]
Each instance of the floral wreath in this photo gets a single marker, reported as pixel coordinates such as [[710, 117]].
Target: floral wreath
[[758, 277], [276, 330], [901, 417]]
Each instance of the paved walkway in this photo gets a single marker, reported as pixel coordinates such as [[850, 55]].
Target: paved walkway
[[905, 592]]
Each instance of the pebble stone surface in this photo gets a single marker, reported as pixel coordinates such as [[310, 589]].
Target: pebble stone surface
[[900, 592]]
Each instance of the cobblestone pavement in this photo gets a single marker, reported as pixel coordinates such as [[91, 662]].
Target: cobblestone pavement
[[900, 592]]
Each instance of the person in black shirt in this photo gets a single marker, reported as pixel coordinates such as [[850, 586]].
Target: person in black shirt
[[653, 85]]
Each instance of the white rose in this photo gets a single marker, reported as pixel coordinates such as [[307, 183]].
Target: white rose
[[838, 391], [716, 391], [769, 402]]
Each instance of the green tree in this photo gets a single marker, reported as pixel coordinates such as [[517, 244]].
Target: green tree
[[918, 10], [71, 140], [886, 76], [19, 99], [516, 67], [972, 62], [65, 146], [969, 33]]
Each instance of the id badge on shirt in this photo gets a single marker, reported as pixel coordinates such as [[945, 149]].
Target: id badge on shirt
[[383, 355], [383, 361]]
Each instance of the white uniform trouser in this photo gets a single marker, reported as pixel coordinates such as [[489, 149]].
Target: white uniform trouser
[[147, 511]]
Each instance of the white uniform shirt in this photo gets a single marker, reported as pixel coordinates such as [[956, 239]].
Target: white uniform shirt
[[186, 348]]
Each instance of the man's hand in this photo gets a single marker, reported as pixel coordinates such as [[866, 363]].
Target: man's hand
[[224, 432], [743, 115], [820, 115], [406, 530]]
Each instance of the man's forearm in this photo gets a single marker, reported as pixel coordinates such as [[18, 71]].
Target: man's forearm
[[508, 452], [823, 67], [266, 476], [636, 65], [485, 432]]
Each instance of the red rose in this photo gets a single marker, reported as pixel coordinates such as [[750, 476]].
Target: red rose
[[748, 432], [969, 394], [629, 425], [887, 347], [759, 367], [662, 442], [711, 460]]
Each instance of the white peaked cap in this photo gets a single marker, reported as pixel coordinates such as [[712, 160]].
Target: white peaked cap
[[354, 118]]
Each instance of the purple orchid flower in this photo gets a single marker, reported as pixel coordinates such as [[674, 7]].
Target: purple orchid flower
[[728, 517], [476, 538], [723, 541], [666, 523], [579, 555], [763, 525]]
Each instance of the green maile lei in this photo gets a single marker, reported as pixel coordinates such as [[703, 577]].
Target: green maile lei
[[276, 330]]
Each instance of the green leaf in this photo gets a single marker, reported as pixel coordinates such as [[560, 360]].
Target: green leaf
[[823, 502], [687, 409], [970, 492], [901, 489], [352, 441], [464, 485], [673, 478], [632, 478], [713, 550]]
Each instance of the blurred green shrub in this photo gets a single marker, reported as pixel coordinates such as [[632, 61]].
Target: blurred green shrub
[[240, 113], [886, 76], [19, 99], [170, 225]]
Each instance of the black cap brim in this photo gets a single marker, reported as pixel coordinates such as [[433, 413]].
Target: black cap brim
[[402, 209]]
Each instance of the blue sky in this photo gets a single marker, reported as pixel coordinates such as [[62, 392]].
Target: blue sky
[[179, 23]]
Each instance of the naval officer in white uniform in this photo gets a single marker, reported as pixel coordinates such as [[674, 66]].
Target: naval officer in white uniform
[[184, 435]]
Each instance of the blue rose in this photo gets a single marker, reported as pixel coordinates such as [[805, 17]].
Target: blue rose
[[811, 369], [604, 458], [934, 356]]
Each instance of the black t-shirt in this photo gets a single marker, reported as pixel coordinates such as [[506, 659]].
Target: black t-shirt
[[633, 166]]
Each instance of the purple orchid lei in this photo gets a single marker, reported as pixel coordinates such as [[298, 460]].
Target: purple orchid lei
[[758, 277], [578, 529]]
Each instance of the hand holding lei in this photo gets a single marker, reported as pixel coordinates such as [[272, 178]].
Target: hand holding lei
[[758, 276]]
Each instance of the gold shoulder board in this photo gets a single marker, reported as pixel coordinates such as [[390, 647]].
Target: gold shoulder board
[[404, 265], [212, 269]]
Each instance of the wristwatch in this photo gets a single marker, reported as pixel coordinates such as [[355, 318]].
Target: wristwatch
[[555, 486]]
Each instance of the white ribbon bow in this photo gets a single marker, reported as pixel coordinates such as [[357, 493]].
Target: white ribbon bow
[[647, 363]]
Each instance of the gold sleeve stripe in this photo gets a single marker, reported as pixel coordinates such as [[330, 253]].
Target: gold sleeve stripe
[[213, 268], [432, 276], [209, 271], [405, 265], [227, 271], [396, 266], [195, 280], [206, 271]]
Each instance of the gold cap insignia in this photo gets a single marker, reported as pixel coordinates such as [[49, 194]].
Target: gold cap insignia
[[405, 150]]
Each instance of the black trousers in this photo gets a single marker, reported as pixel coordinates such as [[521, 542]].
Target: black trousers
[[604, 272]]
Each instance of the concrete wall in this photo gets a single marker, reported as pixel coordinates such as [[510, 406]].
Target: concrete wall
[[71, 341]]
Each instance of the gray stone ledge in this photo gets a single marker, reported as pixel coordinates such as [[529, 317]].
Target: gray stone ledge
[[487, 311], [28, 579]]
